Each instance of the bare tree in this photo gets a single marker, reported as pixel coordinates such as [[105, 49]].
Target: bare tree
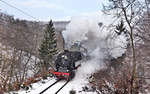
[[18, 46], [143, 47], [128, 11]]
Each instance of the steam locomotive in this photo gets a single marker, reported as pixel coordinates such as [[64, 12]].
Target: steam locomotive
[[65, 64]]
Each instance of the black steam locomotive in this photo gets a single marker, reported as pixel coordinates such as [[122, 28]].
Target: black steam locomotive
[[65, 64]]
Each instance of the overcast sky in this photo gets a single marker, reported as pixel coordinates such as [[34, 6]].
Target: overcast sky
[[51, 9]]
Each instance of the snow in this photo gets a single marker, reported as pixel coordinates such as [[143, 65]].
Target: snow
[[72, 85]]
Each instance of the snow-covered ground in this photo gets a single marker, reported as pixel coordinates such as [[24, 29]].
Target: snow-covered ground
[[72, 85], [101, 43]]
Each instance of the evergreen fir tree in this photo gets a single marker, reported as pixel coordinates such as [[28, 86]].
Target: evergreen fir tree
[[48, 48]]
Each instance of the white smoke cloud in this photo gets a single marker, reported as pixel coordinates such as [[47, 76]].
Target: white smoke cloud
[[100, 42]]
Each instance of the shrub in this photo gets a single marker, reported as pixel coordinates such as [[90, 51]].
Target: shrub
[[72, 92]]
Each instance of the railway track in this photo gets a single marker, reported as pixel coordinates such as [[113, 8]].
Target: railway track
[[55, 84]]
